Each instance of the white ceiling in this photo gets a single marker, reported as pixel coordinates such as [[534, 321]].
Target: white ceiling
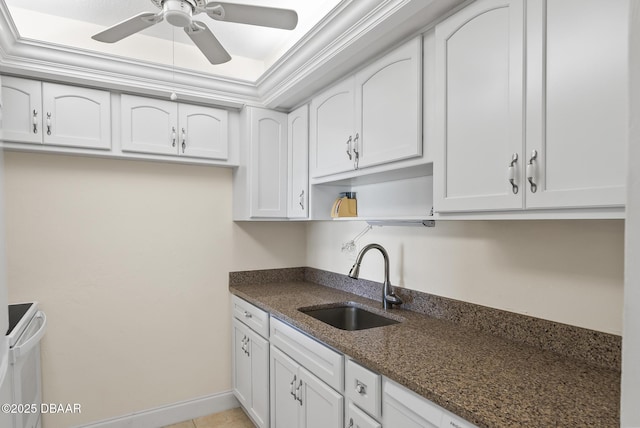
[[253, 49]]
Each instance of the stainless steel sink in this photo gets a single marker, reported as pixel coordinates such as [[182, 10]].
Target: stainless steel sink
[[348, 316]]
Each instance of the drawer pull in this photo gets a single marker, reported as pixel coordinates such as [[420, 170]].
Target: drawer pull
[[299, 393], [35, 121], [531, 171], [511, 173], [247, 314], [361, 388], [293, 394]]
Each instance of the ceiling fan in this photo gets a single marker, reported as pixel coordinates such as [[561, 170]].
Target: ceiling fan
[[180, 13]]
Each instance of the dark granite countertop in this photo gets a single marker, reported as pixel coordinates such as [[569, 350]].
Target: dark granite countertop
[[488, 380]]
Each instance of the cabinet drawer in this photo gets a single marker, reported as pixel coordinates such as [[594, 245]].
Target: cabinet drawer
[[323, 362], [356, 418], [255, 318], [363, 387]]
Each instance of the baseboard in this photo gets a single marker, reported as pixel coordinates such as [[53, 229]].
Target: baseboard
[[171, 413]]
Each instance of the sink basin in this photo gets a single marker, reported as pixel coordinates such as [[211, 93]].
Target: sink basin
[[348, 316]]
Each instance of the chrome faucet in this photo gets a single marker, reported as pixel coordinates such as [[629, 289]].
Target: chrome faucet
[[388, 297]]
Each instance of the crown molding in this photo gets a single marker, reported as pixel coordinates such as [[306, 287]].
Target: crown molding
[[354, 31]]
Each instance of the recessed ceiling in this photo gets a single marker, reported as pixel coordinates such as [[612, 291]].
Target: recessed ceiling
[[253, 49]]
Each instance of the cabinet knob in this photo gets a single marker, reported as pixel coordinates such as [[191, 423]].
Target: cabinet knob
[[247, 314], [361, 388], [511, 173], [531, 171]]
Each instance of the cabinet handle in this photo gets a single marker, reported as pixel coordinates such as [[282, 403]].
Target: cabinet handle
[[184, 140], [531, 171], [356, 161], [247, 314], [511, 173], [302, 199], [173, 136], [299, 393], [293, 394], [35, 121], [246, 349], [48, 123], [349, 147], [350, 423], [361, 388]]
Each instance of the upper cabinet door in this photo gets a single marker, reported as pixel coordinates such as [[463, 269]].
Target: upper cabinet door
[[21, 110], [332, 135], [268, 163], [389, 107], [298, 152], [76, 117], [149, 125], [479, 55], [577, 115], [203, 132]]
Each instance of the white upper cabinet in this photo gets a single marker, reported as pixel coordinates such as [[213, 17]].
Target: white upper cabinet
[[389, 107], [76, 117], [577, 98], [52, 114], [332, 125], [168, 128], [566, 150], [298, 152], [203, 132], [149, 125], [479, 57], [260, 182], [21, 110], [371, 118]]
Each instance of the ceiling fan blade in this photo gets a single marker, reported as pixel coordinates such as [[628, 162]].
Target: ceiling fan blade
[[128, 27], [285, 19], [204, 39]]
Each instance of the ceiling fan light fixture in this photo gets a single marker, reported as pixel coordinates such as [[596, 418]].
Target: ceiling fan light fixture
[[177, 12]]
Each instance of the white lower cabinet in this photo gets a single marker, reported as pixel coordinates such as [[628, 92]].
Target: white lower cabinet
[[250, 356], [299, 399], [356, 418], [284, 378], [406, 409]]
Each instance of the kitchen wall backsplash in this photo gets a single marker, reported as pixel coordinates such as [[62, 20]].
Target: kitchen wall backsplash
[[593, 347]]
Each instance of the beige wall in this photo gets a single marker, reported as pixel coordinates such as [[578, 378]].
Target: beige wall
[[130, 260], [564, 271]]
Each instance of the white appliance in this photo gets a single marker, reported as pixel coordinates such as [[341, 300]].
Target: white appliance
[[27, 325], [5, 388]]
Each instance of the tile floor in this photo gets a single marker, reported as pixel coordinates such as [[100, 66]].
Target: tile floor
[[234, 418]]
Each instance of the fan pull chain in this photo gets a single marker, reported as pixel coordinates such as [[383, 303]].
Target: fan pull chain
[[173, 95]]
